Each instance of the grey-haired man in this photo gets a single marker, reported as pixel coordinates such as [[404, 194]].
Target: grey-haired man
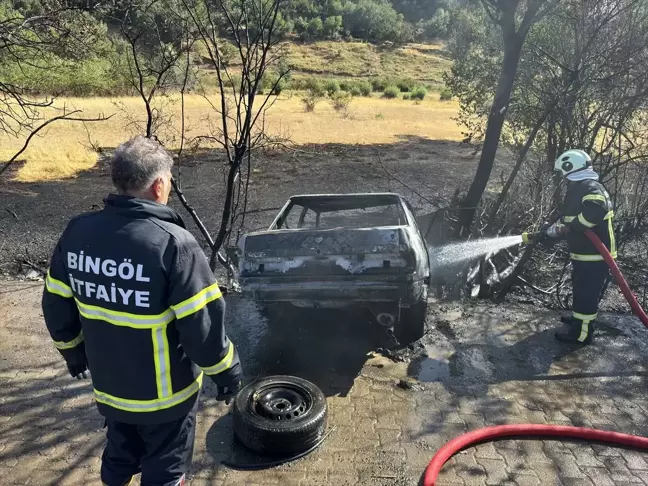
[[129, 296]]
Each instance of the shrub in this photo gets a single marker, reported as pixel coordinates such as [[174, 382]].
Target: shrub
[[276, 90], [315, 86], [355, 91], [298, 84], [365, 88], [405, 85], [407, 96], [346, 85], [331, 86], [341, 101], [379, 84], [391, 92], [310, 101], [445, 95], [418, 93]]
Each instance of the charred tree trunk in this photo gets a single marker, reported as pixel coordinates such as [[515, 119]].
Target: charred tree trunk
[[227, 209], [491, 139]]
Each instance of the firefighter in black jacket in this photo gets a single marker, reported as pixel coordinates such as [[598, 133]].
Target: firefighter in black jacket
[[587, 206], [130, 297]]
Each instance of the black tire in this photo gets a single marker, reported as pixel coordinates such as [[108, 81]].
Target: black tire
[[412, 322], [261, 424]]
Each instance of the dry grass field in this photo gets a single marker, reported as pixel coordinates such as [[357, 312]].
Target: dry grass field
[[66, 148]]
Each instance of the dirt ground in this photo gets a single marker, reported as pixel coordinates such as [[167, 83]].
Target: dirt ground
[[33, 215], [477, 365]]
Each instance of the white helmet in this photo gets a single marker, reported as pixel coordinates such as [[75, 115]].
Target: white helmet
[[572, 161]]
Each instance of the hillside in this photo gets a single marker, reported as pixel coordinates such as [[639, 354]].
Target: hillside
[[422, 62], [349, 60]]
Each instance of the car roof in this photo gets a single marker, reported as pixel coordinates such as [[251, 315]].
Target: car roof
[[335, 202]]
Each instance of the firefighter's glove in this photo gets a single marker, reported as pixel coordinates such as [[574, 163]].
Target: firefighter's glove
[[556, 230], [228, 383], [76, 360]]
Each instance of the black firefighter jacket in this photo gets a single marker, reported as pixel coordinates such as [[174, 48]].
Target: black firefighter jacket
[[134, 286], [588, 205]]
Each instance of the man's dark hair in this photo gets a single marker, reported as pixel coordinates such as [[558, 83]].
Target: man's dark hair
[[137, 163]]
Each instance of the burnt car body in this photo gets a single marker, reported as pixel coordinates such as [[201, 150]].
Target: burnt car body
[[336, 251]]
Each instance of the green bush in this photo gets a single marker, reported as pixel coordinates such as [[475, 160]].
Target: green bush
[[310, 100], [379, 84], [332, 86], [341, 101], [365, 88], [406, 85], [418, 93], [280, 86], [407, 96], [391, 92], [298, 84], [346, 85], [445, 95], [315, 86], [355, 91]]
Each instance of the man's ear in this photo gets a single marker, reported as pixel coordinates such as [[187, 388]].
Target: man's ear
[[157, 188]]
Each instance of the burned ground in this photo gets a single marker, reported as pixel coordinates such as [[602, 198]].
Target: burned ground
[[33, 215]]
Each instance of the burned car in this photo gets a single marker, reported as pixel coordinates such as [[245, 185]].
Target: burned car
[[337, 251]]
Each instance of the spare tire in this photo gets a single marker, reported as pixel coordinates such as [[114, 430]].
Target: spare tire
[[280, 415]]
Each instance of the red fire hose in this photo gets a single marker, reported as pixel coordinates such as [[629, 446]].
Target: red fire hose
[[537, 430], [618, 277]]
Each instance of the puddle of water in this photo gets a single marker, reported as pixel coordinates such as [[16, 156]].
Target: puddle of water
[[436, 365]]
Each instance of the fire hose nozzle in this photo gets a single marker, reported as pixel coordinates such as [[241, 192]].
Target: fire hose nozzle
[[528, 237]]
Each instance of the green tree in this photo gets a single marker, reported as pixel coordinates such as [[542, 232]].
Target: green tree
[[315, 27], [514, 20], [332, 26]]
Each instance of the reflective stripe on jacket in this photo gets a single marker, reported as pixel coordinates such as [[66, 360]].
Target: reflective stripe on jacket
[[133, 285], [588, 206]]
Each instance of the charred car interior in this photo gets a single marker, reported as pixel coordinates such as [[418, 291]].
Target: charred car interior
[[340, 251]]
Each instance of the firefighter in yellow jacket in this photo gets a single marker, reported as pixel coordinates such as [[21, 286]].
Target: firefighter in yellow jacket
[[587, 206], [130, 297]]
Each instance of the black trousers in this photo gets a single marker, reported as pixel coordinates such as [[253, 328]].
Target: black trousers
[[161, 452], [588, 279]]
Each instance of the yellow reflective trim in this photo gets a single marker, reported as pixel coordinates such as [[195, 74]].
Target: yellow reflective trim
[[584, 222], [585, 258], [57, 287], [613, 248], [584, 331], [594, 197], [584, 317], [162, 362], [568, 219], [609, 215], [197, 302], [167, 361], [149, 405], [137, 321], [69, 344], [223, 364]]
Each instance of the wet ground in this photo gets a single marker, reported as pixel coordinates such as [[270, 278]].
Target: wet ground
[[478, 365]]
